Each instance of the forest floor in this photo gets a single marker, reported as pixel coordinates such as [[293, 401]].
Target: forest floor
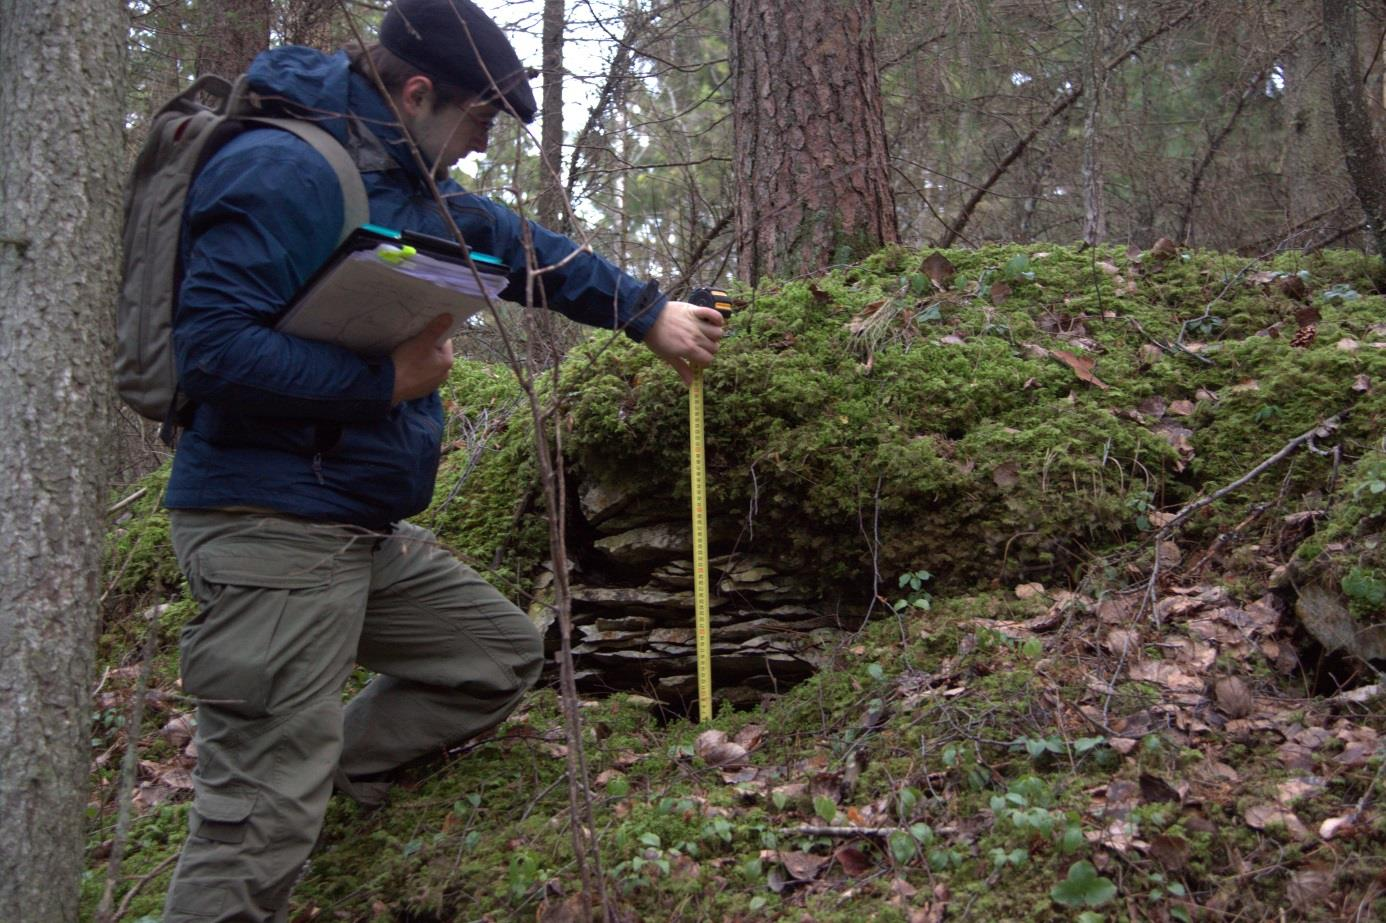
[[1148, 731]]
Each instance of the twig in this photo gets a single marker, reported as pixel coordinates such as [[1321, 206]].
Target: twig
[[1319, 429], [841, 831], [139, 884], [128, 770], [117, 507], [1366, 796]]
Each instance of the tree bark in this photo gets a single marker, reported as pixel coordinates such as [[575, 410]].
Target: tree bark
[[1094, 211], [231, 34], [61, 111], [1365, 164], [810, 149], [551, 206]]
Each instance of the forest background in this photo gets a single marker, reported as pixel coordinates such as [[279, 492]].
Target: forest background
[[693, 143]]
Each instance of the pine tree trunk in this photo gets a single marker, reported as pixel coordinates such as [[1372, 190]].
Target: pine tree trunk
[[813, 177], [61, 109], [1365, 163], [231, 34], [551, 212]]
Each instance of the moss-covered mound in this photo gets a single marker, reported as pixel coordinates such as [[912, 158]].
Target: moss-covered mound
[[1039, 732], [1009, 420]]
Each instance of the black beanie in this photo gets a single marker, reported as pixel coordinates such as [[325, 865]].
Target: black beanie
[[455, 42]]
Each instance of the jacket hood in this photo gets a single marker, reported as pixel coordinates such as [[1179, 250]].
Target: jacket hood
[[311, 84]]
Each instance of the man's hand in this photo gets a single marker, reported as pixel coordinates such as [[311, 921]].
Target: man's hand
[[423, 361], [686, 336]]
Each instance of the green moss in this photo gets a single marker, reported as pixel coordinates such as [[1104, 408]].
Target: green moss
[[138, 556]]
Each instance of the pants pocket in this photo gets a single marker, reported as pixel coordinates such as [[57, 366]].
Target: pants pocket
[[234, 652], [223, 815]]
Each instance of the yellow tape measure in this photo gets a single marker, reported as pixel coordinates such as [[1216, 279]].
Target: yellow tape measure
[[697, 468]]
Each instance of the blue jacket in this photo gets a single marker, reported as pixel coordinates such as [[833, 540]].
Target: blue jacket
[[306, 427]]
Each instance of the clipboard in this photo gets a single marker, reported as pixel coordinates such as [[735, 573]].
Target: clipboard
[[380, 287]]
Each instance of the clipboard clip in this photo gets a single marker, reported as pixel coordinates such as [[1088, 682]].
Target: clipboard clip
[[395, 255]]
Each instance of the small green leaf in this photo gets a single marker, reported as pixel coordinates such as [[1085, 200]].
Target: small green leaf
[[1083, 887], [824, 807], [1073, 839], [922, 832], [780, 799], [876, 672], [902, 846], [650, 839], [908, 798], [618, 787]]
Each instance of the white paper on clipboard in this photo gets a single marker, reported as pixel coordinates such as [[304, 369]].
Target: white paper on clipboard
[[370, 306]]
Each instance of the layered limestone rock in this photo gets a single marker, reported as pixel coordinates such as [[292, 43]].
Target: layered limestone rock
[[633, 608]]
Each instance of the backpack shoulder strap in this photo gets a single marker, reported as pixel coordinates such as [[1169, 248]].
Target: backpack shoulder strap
[[356, 209]]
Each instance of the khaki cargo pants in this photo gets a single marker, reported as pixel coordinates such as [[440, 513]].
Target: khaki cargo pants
[[287, 608]]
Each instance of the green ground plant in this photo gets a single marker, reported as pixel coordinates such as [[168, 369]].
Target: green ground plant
[[970, 750]]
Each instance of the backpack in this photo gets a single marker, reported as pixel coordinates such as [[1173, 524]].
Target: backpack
[[184, 135]]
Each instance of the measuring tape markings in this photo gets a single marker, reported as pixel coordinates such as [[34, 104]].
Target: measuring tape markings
[[697, 468], [702, 618]]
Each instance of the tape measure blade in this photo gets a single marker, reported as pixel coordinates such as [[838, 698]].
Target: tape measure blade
[[702, 620]]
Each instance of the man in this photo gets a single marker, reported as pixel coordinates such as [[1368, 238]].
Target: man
[[301, 459]]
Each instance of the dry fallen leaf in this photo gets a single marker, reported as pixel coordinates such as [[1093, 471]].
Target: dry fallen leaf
[[750, 736], [1167, 675], [801, 865], [1164, 249], [1150, 354], [1233, 698], [1029, 590], [853, 861], [1311, 888], [1154, 789], [571, 909], [1006, 475], [1170, 851], [939, 270], [1153, 406], [1122, 641], [716, 750], [178, 731], [1261, 816], [1082, 367]]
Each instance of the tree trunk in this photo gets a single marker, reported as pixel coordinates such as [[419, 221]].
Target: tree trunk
[[1312, 163], [231, 34], [61, 110], [551, 210], [814, 184], [1365, 164], [1094, 211]]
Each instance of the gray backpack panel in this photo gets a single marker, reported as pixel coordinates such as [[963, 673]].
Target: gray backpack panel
[[184, 135]]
